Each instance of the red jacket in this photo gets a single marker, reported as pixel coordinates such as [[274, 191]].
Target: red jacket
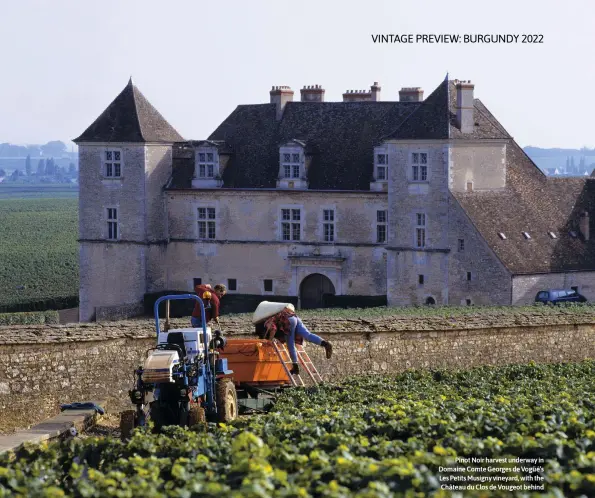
[[211, 313]]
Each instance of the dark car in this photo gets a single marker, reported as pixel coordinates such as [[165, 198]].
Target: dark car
[[559, 296]]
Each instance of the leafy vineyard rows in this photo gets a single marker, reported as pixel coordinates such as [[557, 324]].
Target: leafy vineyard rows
[[366, 437], [39, 250]]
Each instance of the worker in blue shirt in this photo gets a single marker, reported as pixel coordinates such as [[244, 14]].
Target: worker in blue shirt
[[287, 327]]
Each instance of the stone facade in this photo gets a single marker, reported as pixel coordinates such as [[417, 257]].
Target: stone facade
[[356, 158], [490, 282], [252, 251], [44, 366], [115, 273], [441, 271]]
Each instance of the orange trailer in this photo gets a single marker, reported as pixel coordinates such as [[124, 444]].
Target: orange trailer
[[254, 362], [261, 370]]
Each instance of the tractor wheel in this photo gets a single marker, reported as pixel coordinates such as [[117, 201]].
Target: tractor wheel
[[196, 415], [127, 420], [227, 401]]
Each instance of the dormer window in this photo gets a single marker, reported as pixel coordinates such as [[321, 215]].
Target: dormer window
[[206, 165], [381, 167], [380, 176], [292, 165]]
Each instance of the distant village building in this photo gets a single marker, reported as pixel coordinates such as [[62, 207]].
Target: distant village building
[[411, 201]]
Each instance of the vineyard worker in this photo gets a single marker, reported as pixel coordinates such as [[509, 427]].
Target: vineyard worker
[[207, 293], [284, 325]]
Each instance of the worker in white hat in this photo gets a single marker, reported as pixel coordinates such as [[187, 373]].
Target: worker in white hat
[[281, 323]]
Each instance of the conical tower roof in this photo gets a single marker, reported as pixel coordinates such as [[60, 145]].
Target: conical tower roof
[[130, 118]]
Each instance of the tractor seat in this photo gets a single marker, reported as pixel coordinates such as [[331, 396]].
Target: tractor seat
[[177, 338]]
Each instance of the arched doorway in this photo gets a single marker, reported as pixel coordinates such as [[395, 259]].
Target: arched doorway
[[313, 289], [430, 301]]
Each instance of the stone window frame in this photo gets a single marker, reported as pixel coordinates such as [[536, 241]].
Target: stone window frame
[[420, 232], [470, 276], [380, 166], [460, 245], [112, 163], [328, 222], [419, 170], [290, 165], [381, 226], [291, 222], [206, 163], [421, 280], [112, 221], [210, 223]]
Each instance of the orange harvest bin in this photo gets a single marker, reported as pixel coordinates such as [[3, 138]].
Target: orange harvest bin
[[254, 361]]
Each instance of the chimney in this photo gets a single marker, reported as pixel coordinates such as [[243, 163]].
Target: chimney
[[584, 225], [357, 96], [280, 95], [465, 118], [375, 89], [411, 94], [312, 93]]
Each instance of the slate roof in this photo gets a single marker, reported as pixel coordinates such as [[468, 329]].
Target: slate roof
[[535, 204], [340, 137], [436, 119], [130, 118]]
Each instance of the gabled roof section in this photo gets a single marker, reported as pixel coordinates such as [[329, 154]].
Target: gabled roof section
[[130, 118], [220, 145], [429, 120], [436, 119], [486, 125], [299, 143]]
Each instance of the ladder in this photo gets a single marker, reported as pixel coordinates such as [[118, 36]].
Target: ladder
[[303, 359]]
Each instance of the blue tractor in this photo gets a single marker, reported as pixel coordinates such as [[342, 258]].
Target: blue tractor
[[182, 381]]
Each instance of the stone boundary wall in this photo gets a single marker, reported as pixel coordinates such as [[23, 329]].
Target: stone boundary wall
[[123, 312], [44, 366]]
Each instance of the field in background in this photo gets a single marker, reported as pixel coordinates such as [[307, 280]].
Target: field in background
[[38, 249], [9, 190]]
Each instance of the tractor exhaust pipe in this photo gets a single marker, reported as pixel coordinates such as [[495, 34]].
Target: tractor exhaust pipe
[[166, 326]]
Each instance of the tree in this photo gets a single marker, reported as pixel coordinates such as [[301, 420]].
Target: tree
[[28, 165], [54, 148], [41, 167], [50, 168], [2, 173], [71, 169]]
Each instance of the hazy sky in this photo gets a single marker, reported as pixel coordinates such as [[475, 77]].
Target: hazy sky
[[64, 61]]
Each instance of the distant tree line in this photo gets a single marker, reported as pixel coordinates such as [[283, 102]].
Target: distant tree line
[[55, 148]]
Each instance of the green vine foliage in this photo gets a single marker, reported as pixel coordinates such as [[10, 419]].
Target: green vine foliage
[[367, 437]]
